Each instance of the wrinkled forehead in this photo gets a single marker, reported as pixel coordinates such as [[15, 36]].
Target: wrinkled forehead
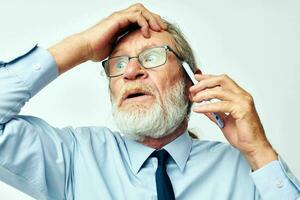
[[134, 42]]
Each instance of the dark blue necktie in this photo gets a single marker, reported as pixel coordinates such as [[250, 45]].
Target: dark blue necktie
[[163, 183]]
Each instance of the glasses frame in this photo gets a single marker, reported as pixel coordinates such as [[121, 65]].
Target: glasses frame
[[166, 47]]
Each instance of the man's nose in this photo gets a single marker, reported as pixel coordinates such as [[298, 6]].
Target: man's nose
[[134, 70]]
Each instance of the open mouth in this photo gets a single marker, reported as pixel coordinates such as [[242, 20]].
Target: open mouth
[[136, 94]]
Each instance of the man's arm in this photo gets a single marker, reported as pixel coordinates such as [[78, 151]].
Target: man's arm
[[29, 147], [35, 157], [96, 42], [243, 130]]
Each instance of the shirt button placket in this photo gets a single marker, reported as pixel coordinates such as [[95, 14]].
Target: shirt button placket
[[279, 183], [36, 66]]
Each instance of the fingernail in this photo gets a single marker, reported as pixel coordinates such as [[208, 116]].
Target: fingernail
[[147, 33], [157, 27]]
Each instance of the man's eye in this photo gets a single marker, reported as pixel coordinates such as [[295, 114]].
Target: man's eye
[[120, 64], [151, 58]]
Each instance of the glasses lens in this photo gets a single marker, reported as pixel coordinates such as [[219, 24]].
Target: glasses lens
[[153, 57], [115, 66]]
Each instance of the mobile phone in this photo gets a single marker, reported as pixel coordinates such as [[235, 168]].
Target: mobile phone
[[190, 73]]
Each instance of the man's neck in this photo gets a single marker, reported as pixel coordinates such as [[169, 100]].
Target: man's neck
[[158, 143]]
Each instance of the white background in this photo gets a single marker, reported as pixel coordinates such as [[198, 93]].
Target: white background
[[254, 42]]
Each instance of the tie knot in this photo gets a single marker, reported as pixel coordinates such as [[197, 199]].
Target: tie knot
[[162, 156]]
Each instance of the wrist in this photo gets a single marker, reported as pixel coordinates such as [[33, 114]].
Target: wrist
[[261, 157], [70, 52]]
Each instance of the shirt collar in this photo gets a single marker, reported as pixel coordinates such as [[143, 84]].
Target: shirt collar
[[179, 149]]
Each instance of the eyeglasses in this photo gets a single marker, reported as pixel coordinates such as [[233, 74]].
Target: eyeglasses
[[149, 58]]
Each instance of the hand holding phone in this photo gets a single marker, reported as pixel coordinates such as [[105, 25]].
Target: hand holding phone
[[190, 73]]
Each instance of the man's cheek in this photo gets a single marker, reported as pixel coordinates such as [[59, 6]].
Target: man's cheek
[[112, 96]]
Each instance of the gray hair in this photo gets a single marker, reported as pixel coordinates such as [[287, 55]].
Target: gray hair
[[183, 49]]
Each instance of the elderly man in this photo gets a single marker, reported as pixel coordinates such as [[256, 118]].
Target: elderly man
[[151, 96]]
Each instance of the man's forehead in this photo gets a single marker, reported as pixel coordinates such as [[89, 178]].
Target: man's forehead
[[135, 42], [137, 49]]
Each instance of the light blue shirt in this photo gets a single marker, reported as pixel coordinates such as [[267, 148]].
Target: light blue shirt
[[89, 163]]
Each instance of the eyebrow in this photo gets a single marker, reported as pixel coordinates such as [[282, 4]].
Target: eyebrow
[[147, 46]]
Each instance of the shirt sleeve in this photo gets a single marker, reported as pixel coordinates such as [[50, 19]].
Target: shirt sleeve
[[275, 181], [34, 156]]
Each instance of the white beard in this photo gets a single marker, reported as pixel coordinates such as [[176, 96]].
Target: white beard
[[157, 120]]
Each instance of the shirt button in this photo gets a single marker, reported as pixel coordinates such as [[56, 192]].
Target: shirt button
[[279, 183], [36, 66], [289, 174]]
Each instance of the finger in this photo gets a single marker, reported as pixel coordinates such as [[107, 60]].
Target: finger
[[201, 77], [160, 21], [221, 106], [149, 16], [154, 24], [223, 80], [144, 27], [122, 31], [214, 93], [142, 22], [204, 84]]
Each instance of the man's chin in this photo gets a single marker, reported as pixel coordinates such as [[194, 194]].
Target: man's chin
[[135, 107], [149, 134]]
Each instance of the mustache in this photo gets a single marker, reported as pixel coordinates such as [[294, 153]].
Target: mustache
[[137, 86]]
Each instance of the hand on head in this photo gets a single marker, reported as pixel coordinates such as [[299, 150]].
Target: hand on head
[[96, 42], [102, 36]]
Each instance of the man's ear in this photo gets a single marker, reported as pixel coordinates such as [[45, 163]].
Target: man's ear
[[189, 84], [198, 71]]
